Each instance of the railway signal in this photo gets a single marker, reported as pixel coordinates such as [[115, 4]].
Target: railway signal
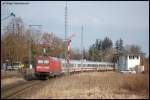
[[69, 46], [69, 49], [45, 47]]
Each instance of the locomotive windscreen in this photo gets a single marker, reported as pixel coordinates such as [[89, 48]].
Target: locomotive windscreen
[[40, 61]]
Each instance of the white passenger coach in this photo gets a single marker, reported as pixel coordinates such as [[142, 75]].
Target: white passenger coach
[[78, 65]]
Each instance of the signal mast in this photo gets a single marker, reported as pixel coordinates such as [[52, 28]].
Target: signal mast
[[45, 46], [69, 46]]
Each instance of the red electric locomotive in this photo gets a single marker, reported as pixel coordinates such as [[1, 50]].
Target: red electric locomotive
[[46, 66]]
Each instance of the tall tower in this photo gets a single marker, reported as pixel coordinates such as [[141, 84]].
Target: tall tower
[[66, 36]]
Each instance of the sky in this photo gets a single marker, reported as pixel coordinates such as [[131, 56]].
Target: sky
[[128, 20]]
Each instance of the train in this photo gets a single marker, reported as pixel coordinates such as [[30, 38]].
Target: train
[[47, 66]]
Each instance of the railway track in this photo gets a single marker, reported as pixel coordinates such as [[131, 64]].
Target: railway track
[[8, 87], [12, 91], [16, 91]]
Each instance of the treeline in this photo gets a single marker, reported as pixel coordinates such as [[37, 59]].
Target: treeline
[[102, 50], [15, 45]]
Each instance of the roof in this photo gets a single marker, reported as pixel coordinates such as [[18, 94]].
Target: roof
[[86, 62], [78, 61]]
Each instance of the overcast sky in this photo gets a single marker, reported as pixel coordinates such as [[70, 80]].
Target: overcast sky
[[128, 20]]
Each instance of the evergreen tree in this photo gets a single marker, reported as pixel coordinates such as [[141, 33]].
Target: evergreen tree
[[100, 49], [107, 43], [119, 46]]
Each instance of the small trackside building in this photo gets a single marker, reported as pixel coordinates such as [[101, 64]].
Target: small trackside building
[[128, 61]]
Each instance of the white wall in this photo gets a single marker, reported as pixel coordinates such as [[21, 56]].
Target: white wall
[[133, 62], [125, 63]]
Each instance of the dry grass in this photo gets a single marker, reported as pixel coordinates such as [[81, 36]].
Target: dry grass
[[145, 62], [137, 83], [94, 85]]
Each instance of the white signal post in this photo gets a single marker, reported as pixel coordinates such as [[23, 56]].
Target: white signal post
[[69, 45], [69, 48]]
